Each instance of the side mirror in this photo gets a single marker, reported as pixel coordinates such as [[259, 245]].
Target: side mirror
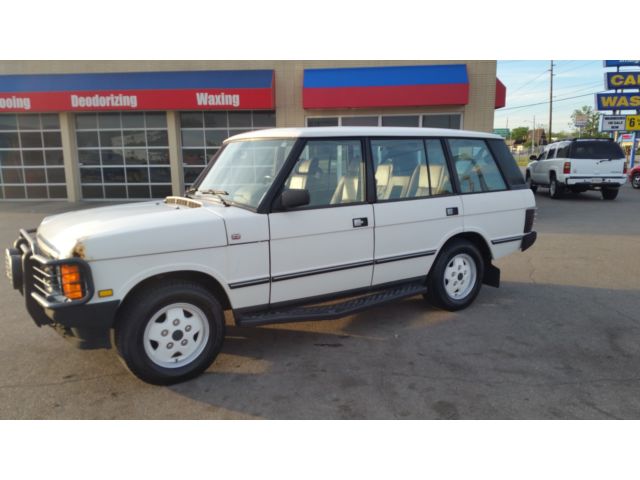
[[533, 157], [292, 198]]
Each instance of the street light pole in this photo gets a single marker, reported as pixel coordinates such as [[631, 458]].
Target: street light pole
[[533, 137], [550, 99]]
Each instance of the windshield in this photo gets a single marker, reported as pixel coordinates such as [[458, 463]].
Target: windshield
[[245, 170], [599, 149]]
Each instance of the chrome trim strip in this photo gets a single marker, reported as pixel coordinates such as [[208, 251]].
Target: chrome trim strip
[[319, 271], [515, 238], [408, 256]]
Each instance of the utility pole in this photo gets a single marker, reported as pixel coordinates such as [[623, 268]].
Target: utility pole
[[550, 99]]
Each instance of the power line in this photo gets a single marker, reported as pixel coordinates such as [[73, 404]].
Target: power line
[[529, 82], [545, 103]]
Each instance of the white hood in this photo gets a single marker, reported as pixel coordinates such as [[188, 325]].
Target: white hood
[[131, 229]]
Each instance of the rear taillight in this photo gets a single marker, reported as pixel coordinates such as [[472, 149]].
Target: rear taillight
[[529, 216], [567, 167], [624, 169]]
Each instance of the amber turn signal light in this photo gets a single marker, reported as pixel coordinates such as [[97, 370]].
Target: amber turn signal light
[[71, 282]]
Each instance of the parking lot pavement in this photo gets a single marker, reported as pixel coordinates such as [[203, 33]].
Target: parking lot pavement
[[559, 339]]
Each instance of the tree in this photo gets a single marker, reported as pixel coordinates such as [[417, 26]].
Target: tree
[[519, 135], [593, 122]]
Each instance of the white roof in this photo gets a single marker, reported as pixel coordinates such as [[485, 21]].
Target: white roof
[[359, 132]]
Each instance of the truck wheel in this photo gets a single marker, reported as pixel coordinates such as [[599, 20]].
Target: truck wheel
[[635, 180], [609, 193], [555, 190], [532, 186], [170, 333], [456, 276]]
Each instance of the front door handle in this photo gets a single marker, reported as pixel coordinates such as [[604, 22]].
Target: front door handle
[[452, 211], [360, 222]]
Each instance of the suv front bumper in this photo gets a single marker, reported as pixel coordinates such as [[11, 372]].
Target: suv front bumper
[[86, 324]]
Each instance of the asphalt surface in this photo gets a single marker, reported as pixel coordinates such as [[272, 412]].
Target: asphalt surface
[[560, 339]]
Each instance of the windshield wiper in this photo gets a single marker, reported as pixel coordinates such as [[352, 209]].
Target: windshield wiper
[[218, 193]]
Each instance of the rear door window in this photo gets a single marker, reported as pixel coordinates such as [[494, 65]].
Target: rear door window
[[475, 166], [595, 149]]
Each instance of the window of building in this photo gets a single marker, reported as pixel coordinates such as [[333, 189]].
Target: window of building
[[442, 121], [331, 170], [203, 133], [400, 121], [31, 165], [449, 120], [123, 155], [475, 166]]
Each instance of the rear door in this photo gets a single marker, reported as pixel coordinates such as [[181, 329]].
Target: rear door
[[416, 206], [596, 158]]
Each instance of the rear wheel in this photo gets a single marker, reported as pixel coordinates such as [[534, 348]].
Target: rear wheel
[[555, 190], [635, 180], [456, 276], [170, 333], [609, 193]]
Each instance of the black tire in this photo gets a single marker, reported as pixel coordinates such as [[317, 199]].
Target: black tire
[[185, 297], [609, 193], [555, 188], [437, 293], [532, 186], [635, 180]]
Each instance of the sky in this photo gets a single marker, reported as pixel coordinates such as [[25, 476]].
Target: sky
[[527, 83]]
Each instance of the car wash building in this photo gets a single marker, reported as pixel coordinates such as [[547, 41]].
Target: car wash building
[[115, 130]]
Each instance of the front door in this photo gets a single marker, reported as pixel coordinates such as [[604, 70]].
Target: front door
[[327, 246]]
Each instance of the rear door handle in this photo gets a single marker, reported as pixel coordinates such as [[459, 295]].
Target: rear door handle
[[360, 222]]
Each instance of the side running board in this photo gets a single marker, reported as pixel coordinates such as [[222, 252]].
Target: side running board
[[329, 312]]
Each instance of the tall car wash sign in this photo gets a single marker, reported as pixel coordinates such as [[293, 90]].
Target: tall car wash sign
[[193, 90], [621, 82]]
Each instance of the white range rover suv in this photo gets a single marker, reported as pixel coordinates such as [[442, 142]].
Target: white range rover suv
[[281, 222], [579, 165]]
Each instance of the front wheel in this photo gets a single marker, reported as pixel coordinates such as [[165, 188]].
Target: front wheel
[[456, 276], [532, 186], [609, 193], [635, 180], [170, 333]]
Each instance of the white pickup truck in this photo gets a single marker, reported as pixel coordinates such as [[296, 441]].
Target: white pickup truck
[[579, 165], [281, 222]]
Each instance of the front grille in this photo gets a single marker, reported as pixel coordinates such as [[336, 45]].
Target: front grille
[[46, 280]]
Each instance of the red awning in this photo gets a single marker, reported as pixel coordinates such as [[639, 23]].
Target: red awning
[[501, 94]]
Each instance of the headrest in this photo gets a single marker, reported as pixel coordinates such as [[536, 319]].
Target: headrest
[[303, 167]]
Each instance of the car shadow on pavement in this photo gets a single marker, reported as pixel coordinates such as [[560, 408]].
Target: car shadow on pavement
[[512, 354]]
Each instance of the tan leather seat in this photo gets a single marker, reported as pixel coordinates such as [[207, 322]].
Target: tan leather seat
[[299, 178], [397, 187], [349, 186], [383, 174], [419, 185]]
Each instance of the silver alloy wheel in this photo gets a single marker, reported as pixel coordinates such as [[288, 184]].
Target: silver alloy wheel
[[553, 187], [635, 181], [460, 276], [176, 335]]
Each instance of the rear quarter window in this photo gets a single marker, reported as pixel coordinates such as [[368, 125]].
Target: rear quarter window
[[602, 149], [507, 164]]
